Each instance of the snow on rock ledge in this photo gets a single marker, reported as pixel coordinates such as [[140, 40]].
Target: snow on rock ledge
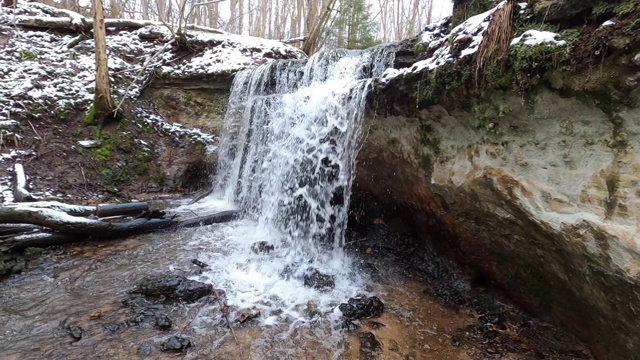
[[444, 47]]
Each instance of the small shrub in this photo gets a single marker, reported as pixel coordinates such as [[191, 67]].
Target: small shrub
[[26, 55]]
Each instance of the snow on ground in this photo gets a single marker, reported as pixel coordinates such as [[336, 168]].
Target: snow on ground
[[464, 40], [40, 76]]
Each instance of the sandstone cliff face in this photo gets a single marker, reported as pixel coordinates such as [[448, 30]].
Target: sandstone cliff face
[[534, 187], [534, 195]]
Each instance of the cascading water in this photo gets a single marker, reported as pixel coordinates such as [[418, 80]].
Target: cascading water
[[286, 161]]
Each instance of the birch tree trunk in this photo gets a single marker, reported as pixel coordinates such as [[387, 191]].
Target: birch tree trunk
[[102, 101]]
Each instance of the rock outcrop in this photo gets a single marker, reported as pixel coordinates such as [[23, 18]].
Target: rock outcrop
[[534, 188]]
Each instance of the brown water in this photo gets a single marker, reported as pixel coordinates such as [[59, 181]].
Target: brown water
[[83, 285]]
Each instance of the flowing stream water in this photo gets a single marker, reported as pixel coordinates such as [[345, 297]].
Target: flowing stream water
[[286, 163]]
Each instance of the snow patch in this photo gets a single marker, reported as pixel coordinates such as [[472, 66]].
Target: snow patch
[[467, 35], [608, 23], [464, 40], [536, 37]]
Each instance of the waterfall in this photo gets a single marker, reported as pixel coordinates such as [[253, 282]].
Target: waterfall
[[286, 161], [290, 141]]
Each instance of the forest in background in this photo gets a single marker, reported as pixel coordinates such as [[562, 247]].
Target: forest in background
[[351, 24]]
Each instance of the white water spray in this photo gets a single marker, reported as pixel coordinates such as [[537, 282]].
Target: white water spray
[[287, 161]]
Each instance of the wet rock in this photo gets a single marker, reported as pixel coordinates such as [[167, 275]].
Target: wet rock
[[620, 43], [247, 314], [460, 43], [145, 349], [312, 309], [163, 322], [32, 253], [176, 344], [361, 307], [288, 271], [173, 288], [370, 347], [559, 10], [349, 326], [376, 325], [636, 59], [139, 316], [262, 248], [199, 263], [111, 327], [95, 315], [371, 270], [393, 345], [317, 280], [75, 332]]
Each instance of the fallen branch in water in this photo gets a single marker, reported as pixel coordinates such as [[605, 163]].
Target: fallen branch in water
[[51, 223]]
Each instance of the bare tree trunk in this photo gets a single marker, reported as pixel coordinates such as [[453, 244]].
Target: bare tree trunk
[[310, 45], [102, 102], [114, 9], [9, 3], [414, 16]]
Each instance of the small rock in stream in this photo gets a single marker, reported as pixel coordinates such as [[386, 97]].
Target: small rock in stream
[[262, 248], [370, 347], [145, 349], [163, 322], [317, 280], [176, 344], [173, 288], [247, 314], [312, 309], [361, 307], [75, 332]]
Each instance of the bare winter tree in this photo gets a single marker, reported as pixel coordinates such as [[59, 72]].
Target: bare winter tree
[[276, 19], [103, 106]]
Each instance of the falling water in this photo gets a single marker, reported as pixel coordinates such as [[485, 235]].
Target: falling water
[[287, 161], [290, 143]]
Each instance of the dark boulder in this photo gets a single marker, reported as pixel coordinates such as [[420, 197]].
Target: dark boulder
[[317, 280], [176, 344], [262, 248], [173, 288], [361, 307], [163, 322]]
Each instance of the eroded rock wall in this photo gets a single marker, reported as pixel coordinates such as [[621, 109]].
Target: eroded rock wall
[[539, 195]]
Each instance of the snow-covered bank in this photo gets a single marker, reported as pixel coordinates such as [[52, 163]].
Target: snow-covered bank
[[41, 76]]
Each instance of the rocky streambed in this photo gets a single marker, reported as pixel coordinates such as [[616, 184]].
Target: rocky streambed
[[139, 298]]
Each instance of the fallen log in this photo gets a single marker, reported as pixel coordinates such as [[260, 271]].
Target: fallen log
[[69, 229], [102, 210], [223, 216], [134, 208], [65, 223]]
